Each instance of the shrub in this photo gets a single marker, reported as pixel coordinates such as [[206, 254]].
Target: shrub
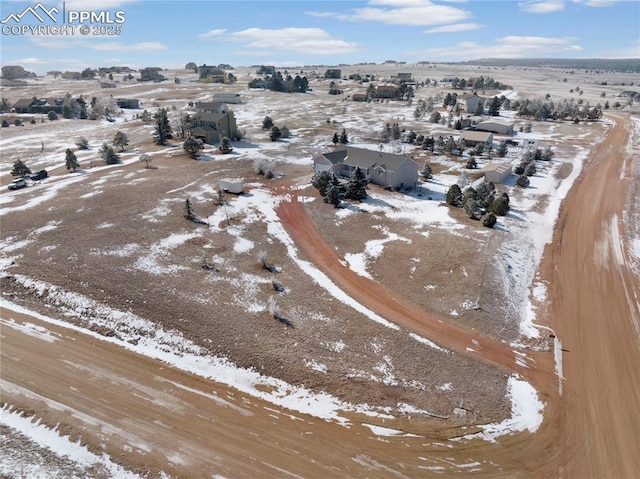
[[523, 181], [18, 122], [5, 124], [530, 169], [471, 164], [82, 143], [489, 220], [500, 206], [52, 115]]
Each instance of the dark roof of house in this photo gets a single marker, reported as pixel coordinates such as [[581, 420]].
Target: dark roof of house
[[209, 116], [23, 102], [209, 105], [366, 159]]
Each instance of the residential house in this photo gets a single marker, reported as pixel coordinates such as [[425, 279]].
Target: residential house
[[266, 70], [404, 78], [496, 172], [151, 74], [384, 169], [211, 74], [128, 103], [385, 91], [359, 97], [72, 75], [472, 138], [502, 127], [211, 126], [23, 105], [470, 101]]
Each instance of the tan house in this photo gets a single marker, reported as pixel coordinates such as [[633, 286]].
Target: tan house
[[496, 172], [472, 138], [384, 169], [386, 91], [502, 127]]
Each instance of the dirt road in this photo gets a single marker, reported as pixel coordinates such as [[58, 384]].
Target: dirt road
[[596, 311], [151, 417]]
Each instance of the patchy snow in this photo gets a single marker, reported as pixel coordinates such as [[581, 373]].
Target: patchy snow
[[526, 412], [429, 343], [358, 262], [61, 446]]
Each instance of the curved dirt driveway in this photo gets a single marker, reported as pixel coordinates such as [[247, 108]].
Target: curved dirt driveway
[[593, 428]]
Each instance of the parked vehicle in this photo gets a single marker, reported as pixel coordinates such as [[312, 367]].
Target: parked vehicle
[[39, 175], [17, 184]]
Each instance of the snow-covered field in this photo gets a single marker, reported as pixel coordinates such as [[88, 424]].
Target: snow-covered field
[[527, 229]]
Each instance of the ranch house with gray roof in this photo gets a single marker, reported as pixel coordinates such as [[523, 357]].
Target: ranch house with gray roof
[[384, 169]]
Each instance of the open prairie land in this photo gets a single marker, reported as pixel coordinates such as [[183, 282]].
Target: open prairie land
[[412, 342]]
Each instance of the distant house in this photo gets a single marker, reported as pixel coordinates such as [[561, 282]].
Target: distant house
[[386, 91], [496, 172], [212, 106], [211, 126], [107, 84], [448, 79], [384, 169], [472, 138], [72, 76], [227, 97], [333, 73], [211, 74], [266, 70], [403, 78], [470, 101], [502, 127], [151, 74], [359, 97], [128, 103], [23, 105]]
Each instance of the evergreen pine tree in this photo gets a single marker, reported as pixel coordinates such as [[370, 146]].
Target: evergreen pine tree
[[334, 189], [335, 139], [225, 145], [454, 195], [192, 147], [343, 137], [71, 160], [20, 169], [356, 188], [120, 139], [163, 128]]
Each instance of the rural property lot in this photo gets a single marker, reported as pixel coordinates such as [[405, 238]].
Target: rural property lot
[[422, 343]]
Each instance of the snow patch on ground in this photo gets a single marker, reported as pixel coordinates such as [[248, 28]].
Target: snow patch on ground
[[526, 412]]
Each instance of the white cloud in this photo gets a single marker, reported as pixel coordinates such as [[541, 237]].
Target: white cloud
[[458, 27], [212, 33], [313, 41], [505, 47], [596, 3], [419, 15], [546, 6], [400, 12]]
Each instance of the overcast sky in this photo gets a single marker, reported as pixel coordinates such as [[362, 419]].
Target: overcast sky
[[169, 34]]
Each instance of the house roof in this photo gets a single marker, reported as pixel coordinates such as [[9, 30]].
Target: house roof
[[209, 116], [366, 159], [495, 122], [476, 135], [23, 102], [209, 105], [498, 167], [468, 96]]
